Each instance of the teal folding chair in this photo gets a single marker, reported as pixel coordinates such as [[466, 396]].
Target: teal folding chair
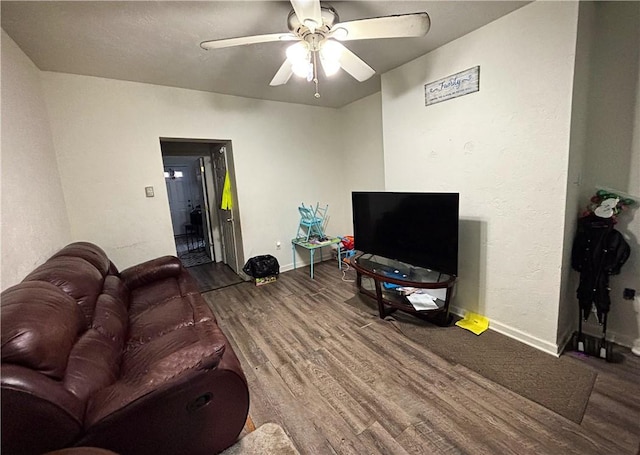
[[312, 221], [321, 213]]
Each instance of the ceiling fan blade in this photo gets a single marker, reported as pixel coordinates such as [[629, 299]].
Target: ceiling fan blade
[[400, 26], [283, 75], [244, 40], [308, 12], [354, 65]]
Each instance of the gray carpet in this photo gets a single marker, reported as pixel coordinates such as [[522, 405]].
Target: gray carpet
[[268, 439], [562, 384]]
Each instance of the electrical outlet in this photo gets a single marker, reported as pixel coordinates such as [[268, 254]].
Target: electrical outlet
[[278, 245]]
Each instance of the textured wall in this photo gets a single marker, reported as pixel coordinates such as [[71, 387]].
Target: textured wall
[[106, 135], [34, 216], [363, 158], [505, 149]]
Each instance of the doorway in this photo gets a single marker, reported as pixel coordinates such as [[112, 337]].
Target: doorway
[[207, 236], [187, 195]]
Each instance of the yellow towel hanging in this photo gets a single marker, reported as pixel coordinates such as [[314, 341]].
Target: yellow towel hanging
[[227, 200]]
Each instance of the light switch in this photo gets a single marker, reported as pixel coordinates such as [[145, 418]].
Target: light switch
[[149, 191]]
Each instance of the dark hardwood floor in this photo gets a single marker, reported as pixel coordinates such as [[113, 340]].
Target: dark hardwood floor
[[214, 275], [339, 381]]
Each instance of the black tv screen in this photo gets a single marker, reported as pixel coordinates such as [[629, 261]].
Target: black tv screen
[[420, 229]]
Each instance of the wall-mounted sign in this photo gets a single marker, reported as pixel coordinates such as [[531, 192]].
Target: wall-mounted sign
[[462, 83]]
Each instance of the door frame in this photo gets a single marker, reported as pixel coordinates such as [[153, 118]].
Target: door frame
[[170, 146]]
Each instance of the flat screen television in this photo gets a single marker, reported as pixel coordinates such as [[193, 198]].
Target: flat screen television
[[420, 229]]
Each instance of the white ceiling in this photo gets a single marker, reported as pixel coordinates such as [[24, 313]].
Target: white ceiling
[[157, 42]]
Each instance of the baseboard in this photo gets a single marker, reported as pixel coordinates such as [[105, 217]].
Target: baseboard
[[518, 335], [545, 346], [304, 263], [620, 338], [591, 327], [613, 336], [299, 265]]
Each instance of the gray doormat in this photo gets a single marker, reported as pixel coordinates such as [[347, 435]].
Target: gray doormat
[[562, 385], [194, 258]]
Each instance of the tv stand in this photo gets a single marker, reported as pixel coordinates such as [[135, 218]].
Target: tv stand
[[378, 270]]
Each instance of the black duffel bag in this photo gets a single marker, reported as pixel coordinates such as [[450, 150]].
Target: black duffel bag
[[262, 266]]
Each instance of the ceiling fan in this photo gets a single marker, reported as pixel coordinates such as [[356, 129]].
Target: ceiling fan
[[317, 32]]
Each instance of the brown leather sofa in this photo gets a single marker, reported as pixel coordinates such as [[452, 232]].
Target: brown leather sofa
[[133, 362]]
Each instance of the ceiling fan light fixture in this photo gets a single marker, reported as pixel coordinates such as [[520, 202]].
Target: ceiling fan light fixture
[[299, 56], [302, 69], [331, 50], [340, 33], [330, 56], [298, 51], [330, 67]]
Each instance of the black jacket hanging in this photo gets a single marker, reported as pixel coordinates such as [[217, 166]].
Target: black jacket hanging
[[599, 251]]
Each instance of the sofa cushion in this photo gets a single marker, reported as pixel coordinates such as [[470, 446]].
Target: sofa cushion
[[94, 363], [115, 287], [111, 319], [153, 366], [152, 294], [76, 277], [91, 253], [151, 271], [164, 316], [167, 355], [40, 324], [189, 289], [159, 319]]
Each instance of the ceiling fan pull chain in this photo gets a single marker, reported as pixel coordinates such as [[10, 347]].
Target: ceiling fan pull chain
[[315, 73]]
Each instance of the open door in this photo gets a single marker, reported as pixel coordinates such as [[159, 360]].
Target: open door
[[225, 216], [206, 221], [179, 197]]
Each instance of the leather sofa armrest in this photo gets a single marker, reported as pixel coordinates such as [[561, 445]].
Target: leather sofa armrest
[[151, 271], [200, 411], [39, 386], [38, 413]]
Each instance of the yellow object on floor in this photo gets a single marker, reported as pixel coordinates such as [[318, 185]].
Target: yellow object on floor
[[473, 322]]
